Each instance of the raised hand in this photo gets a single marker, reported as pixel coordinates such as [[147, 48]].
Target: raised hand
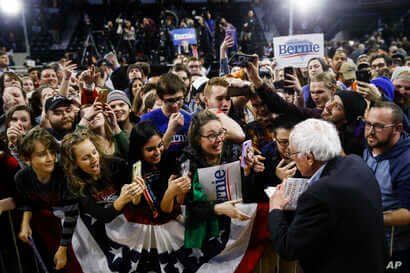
[[14, 133], [180, 185], [369, 91], [176, 122], [93, 110], [284, 171], [293, 82]]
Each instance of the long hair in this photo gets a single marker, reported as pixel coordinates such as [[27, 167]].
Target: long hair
[[323, 64], [78, 180], [132, 97], [96, 139], [194, 132], [140, 135]]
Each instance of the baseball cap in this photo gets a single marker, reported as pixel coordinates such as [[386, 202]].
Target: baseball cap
[[198, 85], [57, 101], [348, 71]]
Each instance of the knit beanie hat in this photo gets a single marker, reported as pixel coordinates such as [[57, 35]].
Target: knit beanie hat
[[353, 103], [118, 95]]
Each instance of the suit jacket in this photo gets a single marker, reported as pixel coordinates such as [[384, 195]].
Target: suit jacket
[[338, 224]]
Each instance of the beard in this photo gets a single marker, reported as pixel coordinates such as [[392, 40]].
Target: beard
[[62, 126], [377, 143]]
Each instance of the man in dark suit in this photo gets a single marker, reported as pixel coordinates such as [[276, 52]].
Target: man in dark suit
[[338, 223]]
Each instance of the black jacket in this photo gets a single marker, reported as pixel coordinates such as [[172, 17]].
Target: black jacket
[[338, 224]]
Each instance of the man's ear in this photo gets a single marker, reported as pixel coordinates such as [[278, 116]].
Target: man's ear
[[274, 136], [310, 159], [399, 127], [206, 101]]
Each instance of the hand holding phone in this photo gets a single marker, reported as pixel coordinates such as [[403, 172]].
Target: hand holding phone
[[102, 96]]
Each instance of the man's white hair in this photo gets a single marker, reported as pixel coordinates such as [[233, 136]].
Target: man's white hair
[[318, 137]]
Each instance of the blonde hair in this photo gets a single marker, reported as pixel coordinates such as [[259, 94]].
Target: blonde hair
[[217, 81], [328, 78]]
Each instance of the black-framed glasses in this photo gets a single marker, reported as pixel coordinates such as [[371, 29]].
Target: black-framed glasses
[[378, 127], [380, 65], [282, 142], [172, 101], [290, 155], [214, 136]]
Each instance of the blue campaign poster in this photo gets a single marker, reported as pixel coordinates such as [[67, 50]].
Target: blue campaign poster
[[183, 35]]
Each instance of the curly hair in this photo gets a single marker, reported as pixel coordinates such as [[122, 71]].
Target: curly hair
[[77, 178]]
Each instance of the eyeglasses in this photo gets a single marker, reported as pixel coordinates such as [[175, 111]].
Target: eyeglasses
[[290, 155], [378, 127], [172, 101], [283, 142], [380, 65], [213, 137]]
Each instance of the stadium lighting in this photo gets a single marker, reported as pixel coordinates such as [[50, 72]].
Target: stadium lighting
[[11, 7], [303, 7], [14, 8]]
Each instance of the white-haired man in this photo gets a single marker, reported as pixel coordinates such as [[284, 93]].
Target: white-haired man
[[338, 223]]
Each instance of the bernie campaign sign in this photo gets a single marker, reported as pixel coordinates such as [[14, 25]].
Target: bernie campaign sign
[[222, 182], [296, 50], [182, 36]]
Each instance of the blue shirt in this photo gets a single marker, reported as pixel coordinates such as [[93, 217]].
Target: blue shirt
[[316, 176], [161, 121]]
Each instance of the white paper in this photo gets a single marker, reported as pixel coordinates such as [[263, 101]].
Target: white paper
[[270, 191], [294, 187]]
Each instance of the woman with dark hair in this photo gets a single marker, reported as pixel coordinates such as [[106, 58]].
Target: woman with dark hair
[[315, 66], [19, 120], [153, 216], [135, 89], [208, 223], [9, 79], [147, 147]]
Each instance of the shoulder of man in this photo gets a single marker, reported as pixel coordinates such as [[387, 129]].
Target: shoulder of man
[[150, 115]]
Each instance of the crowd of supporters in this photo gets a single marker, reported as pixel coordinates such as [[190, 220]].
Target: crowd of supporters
[[73, 135]]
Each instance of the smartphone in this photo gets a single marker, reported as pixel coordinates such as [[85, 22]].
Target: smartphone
[[230, 33], [287, 71], [246, 146], [241, 60], [279, 84], [363, 75], [238, 91], [102, 96]]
